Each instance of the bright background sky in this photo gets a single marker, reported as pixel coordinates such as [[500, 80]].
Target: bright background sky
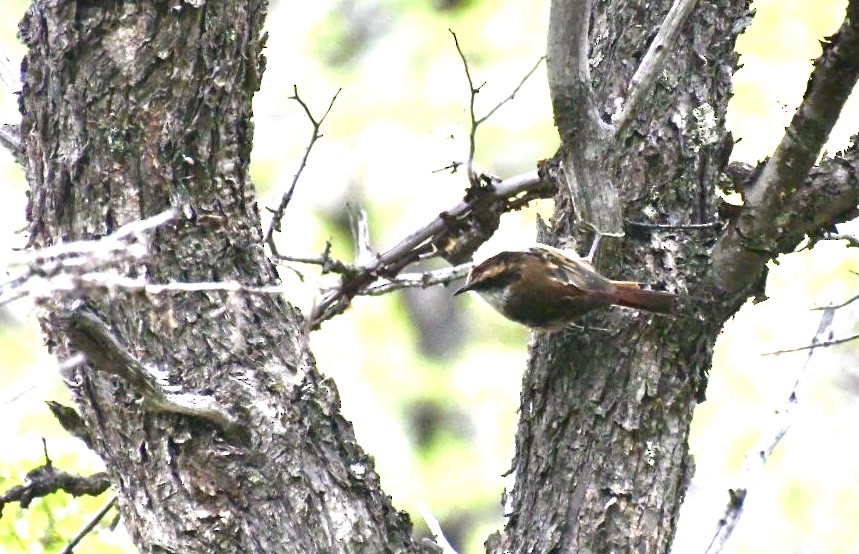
[[431, 384]]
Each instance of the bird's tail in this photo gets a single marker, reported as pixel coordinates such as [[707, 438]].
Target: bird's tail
[[629, 294]]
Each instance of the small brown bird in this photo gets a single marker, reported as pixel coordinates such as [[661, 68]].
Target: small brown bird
[[545, 288]]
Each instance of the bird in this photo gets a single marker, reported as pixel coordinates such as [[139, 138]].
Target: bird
[[543, 287]]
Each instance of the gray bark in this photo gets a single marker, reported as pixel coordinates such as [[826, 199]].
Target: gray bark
[[602, 461], [129, 109]]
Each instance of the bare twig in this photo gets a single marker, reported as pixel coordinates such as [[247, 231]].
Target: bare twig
[[418, 280], [78, 267], [86, 529], [652, 63], [419, 245], [325, 261], [669, 226], [435, 528], [472, 94], [841, 305], [813, 345], [46, 479], [63, 266], [391, 262], [513, 93], [277, 215], [756, 458], [475, 121]]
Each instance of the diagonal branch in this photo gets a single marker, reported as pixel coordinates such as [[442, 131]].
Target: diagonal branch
[[756, 458], [652, 63], [771, 198], [446, 228], [91, 336], [90, 525]]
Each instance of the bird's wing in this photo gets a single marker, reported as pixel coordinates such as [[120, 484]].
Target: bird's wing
[[569, 269]]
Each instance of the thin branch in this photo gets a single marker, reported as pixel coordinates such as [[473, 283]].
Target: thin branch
[[756, 458], [277, 215], [86, 529], [57, 269], [812, 346], [80, 267], [841, 305], [391, 262], [91, 336], [325, 261], [512, 95], [472, 94], [443, 276], [475, 121], [435, 528], [670, 227], [652, 63], [62, 266], [46, 479]]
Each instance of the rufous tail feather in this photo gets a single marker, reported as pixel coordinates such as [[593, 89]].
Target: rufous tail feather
[[628, 294]]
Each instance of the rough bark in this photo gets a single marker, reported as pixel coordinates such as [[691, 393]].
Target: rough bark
[[602, 461], [131, 108], [601, 451]]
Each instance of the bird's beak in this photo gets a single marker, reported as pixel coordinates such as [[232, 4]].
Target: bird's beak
[[464, 288]]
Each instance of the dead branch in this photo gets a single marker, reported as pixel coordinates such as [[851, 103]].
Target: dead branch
[[90, 525], [46, 479], [277, 215], [443, 276], [64, 266], [652, 63], [756, 458], [445, 229], [475, 121], [813, 345]]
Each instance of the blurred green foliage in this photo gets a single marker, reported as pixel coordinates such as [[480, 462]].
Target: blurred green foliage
[[438, 410]]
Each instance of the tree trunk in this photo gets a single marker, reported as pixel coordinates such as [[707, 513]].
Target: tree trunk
[[129, 109], [602, 461], [133, 108]]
